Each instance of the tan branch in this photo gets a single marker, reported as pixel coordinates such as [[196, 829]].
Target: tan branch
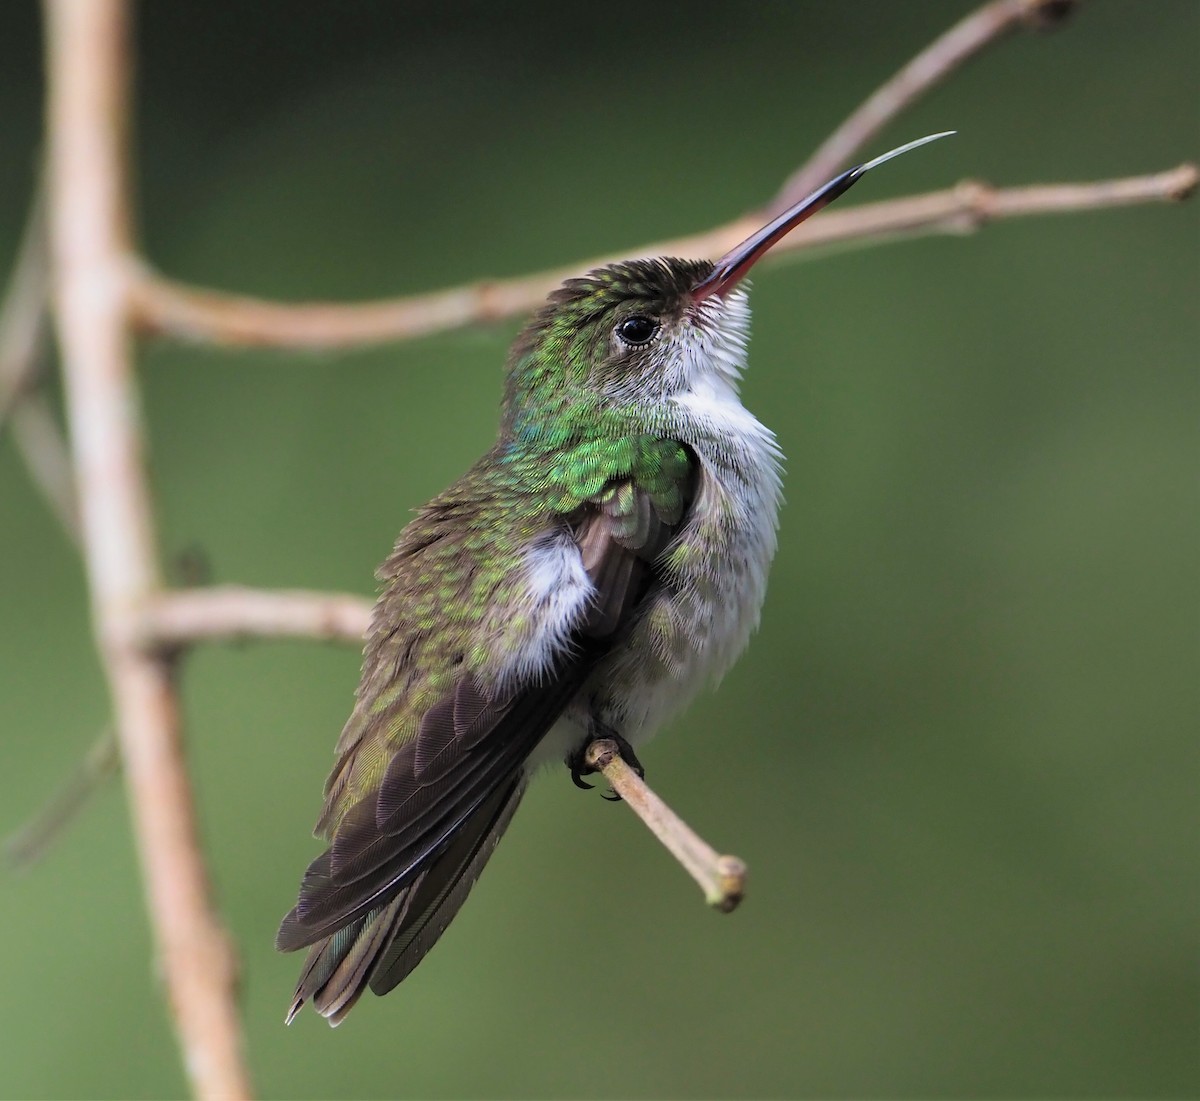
[[229, 613], [88, 66], [721, 878], [950, 51], [168, 307]]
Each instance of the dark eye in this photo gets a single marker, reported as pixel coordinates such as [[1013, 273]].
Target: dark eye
[[637, 329]]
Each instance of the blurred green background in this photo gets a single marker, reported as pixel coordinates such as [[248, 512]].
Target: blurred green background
[[961, 755]]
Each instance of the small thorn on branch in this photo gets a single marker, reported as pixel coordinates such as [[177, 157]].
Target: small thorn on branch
[[721, 878]]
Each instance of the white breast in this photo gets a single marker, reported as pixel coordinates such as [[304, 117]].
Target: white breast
[[715, 572], [696, 628]]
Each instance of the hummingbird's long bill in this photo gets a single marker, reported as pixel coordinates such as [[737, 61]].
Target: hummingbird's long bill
[[733, 266]]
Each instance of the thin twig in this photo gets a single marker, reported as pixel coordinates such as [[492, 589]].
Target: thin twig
[[721, 878], [165, 306], [40, 441], [88, 66], [946, 53], [230, 613], [23, 313], [26, 845]]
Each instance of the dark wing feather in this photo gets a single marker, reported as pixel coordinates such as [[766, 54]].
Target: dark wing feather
[[383, 946], [404, 856], [371, 859]]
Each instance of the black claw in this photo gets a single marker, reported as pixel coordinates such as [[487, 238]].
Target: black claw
[[579, 768], [611, 797]]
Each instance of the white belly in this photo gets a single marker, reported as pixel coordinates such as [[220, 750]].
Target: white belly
[[715, 579], [716, 575]]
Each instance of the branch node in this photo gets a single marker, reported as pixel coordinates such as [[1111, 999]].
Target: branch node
[[731, 884], [1183, 185], [978, 204], [1046, 15], [600, 753], [491, 305]]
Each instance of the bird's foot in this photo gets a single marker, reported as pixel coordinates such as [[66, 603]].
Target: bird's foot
[[578, 764]]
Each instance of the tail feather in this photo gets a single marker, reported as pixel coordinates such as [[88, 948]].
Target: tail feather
[[323, 973], [319, 965], [438, 898], [384, 945], [341, 990]]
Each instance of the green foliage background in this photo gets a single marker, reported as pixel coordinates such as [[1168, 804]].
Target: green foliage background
[[960, 756]]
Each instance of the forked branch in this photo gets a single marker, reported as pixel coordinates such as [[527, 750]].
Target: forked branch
[[88, 65], [948, 52], [103, 291]]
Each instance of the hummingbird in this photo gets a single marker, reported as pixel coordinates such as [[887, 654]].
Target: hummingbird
[[584, 579]]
